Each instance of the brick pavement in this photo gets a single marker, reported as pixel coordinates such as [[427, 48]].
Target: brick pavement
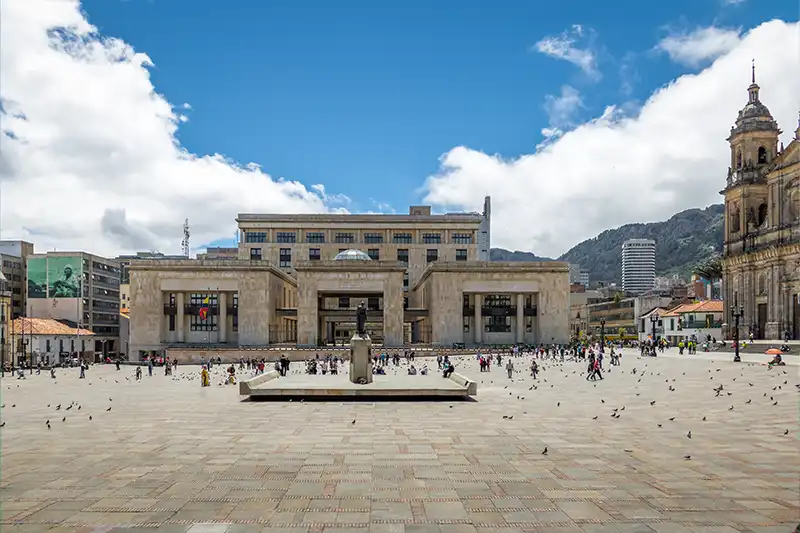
[[171, 456]]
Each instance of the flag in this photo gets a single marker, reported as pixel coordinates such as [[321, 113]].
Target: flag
[[204, 308]]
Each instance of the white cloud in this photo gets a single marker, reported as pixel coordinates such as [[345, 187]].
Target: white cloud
[[561, 109], [565, 46], [89, 159], [699, 46], [619, 168]]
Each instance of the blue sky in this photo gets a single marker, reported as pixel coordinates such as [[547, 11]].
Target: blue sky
[[568, 115], [365, 96]]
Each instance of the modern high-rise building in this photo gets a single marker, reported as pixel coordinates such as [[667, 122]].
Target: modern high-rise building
[[638, 265], [13, 265], [81, 289]]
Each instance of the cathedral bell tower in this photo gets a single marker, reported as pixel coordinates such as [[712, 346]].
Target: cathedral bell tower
[[754, 144]]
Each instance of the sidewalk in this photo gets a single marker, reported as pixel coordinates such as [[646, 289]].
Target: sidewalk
[[790, 359]]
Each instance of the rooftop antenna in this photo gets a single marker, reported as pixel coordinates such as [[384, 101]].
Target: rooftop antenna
[[185, 242]]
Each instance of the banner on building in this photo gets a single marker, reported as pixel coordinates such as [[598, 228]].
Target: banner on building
[[37, 277], [64, 276]]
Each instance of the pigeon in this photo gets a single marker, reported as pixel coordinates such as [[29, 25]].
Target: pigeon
[[47, 424], [107, 410], [704, 419], [687, 457], [730, 408], [689, 435], [109, 399], [90, 418], [2, 424], [748, 401], [544, 452], [671, 419], [653, 402], [776, 403], [64, 419], [659, 425], [67, 409], [558, 404], [594, 418], [786, 432]]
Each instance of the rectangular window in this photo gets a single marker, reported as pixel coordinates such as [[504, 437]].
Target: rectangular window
[[314, 254], [431, 255], [529, 324], [235, 317], [255, 236], [462, 238], [315, 237], [466, 324], [405, 302], [255, 254], [497, 300], [402, 238], [197, 302], [402, 255], [373, 238], [344, 238], [286, 237], [47, 349], [374, 254], [461, 255], [432, 238], [405, 281], [373, 303], [497, 324], [344, 303], [285, 258]]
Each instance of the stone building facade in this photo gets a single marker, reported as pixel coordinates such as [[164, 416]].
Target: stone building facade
[[761, 262]]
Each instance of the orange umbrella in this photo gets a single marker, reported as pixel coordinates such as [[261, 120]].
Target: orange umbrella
[[773, 351]]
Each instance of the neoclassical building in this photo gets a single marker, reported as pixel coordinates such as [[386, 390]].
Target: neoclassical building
[[761, 262], [299, 278]]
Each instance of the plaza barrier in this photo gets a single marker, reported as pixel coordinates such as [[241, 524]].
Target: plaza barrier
[[246, 385]]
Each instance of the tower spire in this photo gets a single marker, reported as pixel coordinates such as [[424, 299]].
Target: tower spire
[[752, 91], [753, 68]]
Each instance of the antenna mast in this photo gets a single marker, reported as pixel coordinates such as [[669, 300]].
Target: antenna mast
[[185, 249]]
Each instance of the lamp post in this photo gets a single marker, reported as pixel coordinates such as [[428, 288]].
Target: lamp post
[[654, 321], [602, 333], [737, 312]]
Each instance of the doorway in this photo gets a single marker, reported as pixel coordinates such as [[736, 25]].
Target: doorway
[[796, 314], [762, 321]]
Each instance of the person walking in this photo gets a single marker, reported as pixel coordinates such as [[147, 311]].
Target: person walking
[[510, 367]]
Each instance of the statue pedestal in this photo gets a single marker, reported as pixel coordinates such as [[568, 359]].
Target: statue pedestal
[[360, 359]]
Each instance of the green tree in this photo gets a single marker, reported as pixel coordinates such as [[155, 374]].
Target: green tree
[[617, 297], [710, 269]]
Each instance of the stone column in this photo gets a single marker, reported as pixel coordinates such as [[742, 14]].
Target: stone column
[[179, 317], [223, 317], [393, 313], [520, 318], [478, 322]]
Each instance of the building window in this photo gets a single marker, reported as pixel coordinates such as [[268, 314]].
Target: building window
[[431, 255], [314, 254], [373, 303], [432, 238], [235, 317], [255, 254], [373, 238], [47, 348], [402, 256], [315, 237], [461, 255], [287, 237], [285, 258], [255, 236], [762, 155], [405, 281], [402, 238], [374, 254], [344, 303], [466, 324], [497, 324], [197, 300], [344, 238], [529, 324], [462, 238], [405, 302]]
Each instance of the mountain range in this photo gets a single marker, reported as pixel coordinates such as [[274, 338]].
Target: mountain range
[[687, 238]]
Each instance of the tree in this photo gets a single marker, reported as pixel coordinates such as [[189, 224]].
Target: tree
[[617, 297], [710, 269], [621, 333]]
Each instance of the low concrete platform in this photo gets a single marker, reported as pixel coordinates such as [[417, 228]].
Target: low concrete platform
[[337, 387]]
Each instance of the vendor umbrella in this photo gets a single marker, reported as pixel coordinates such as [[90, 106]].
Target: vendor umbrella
[[773, 351]]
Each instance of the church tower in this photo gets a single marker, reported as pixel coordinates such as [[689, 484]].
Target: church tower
[[754, 144]]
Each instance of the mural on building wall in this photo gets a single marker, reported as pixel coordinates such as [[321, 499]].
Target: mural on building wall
[[37, 277], [64, 277]]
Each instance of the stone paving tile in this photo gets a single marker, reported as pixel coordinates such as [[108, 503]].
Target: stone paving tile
[[209, 461]]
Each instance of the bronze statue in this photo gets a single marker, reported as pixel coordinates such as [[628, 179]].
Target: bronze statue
[[361, 320]]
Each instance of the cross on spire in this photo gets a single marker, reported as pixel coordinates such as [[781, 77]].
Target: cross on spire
[[753, 67]]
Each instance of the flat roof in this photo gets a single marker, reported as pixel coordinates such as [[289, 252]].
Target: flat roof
[[209, 265], [493, 266], [340, 218]]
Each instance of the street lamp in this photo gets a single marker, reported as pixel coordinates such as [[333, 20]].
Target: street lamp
[[654, 321], [737, 312], [602, 333]]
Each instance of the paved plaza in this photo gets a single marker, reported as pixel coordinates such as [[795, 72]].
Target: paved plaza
[[170, 456]]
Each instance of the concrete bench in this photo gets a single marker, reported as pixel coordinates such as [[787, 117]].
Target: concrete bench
[[471, 386], [245, 386]]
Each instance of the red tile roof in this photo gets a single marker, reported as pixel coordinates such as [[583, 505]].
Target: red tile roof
[[43, 326]]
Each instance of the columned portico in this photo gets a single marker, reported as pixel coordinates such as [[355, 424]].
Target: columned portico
[[478, 323], [520, 325], [179, 319]]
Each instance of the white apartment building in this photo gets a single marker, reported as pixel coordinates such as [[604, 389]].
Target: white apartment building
[[638, 265]]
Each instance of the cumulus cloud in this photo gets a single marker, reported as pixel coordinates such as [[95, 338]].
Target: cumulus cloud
[[621, 168], [694, 48], [89, 157], [567, 46], [561, 109]]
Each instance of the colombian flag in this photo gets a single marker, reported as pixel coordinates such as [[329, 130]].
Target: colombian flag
[[204, 308]]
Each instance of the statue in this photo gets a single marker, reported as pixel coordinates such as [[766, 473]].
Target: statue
[[361, 320]]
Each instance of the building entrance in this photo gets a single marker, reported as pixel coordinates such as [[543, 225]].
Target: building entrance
[[796, 315], [337, 317]]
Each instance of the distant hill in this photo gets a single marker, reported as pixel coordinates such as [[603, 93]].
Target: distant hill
[[501, 254], [684, 240]]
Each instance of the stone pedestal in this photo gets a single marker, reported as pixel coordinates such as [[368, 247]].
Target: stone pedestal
[[361, 359]]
